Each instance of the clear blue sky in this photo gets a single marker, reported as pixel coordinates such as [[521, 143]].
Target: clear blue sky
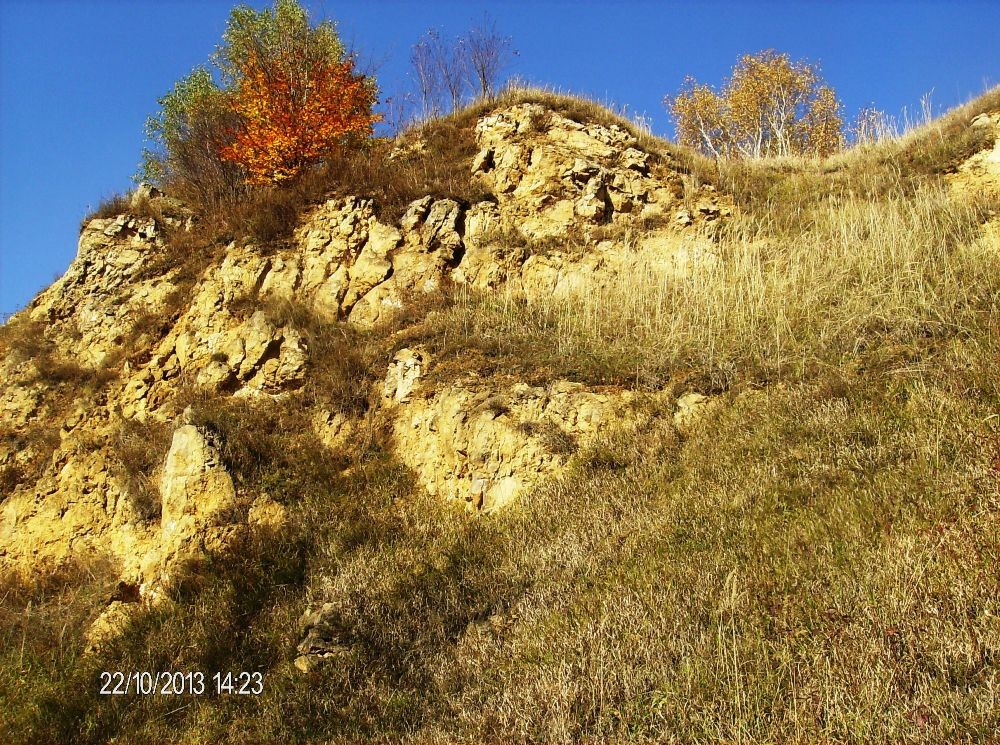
[[77, 79]]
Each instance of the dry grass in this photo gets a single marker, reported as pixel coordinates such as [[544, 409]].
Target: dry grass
[[810, 567], [861, 281], [816, 564], [42, 623], [62, 383], [138, 449], [937, 145], [121, 204]]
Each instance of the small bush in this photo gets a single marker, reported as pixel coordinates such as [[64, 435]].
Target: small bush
[[139, 448], [123, 204]]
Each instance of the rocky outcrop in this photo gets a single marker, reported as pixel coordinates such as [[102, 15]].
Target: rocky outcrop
[[551, 174], [566, 206], [980, 175], [484, 443], [84, 504], [988, 160], [80, 506], [577, 201], [981, 172], [198, 502], [322, 638], [371, 282], [111, 287]]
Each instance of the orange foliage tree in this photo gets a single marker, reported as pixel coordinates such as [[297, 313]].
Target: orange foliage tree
[[283, 94], [288, 121], [770, 106]]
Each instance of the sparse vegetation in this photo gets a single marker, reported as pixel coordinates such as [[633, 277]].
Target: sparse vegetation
[[840, 589], [138, 448], [42, 624], [446, 71], [791, 292], [61, 384]]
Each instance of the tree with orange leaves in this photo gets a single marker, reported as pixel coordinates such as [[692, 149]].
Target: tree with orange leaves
[[295, 91], [284, 95], [287, 122]]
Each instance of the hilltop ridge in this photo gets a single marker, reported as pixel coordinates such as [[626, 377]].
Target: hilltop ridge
[[566, 202], [487, 403]]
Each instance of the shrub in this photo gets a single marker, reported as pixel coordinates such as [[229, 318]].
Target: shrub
[[188, 134], [282, 95]]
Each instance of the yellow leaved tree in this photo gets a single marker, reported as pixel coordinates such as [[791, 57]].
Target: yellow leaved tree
[[770, 106]]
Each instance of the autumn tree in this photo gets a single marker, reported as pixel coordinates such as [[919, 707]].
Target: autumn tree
[[283, 94], [289, 119], [427, 75], [187, 135], [770, 106]]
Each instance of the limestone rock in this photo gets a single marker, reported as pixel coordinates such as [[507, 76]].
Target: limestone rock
[[109, 624], [106, 292], [548, 171], [691, 407], [266, 513], [198, 498], [981, 172], [21, 396], [322, 638], [982, 120], [404, 374], [468, 442], [334, 429]]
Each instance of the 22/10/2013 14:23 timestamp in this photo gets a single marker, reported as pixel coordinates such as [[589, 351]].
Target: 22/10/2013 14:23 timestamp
[[196, 683]]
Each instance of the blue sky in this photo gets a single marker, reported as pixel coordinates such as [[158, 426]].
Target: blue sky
[[77, 79]]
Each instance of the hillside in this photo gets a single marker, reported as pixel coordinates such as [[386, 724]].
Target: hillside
[[529, 426]]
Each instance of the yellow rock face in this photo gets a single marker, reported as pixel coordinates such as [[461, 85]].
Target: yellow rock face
[[589, 190], [484, 444], [981, 172]]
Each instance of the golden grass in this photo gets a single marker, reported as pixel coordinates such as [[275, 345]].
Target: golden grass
[[861, 280]]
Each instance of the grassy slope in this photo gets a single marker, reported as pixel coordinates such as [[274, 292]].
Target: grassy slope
[[817, 563]]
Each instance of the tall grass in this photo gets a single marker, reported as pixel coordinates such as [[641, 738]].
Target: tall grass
[[858, 275]]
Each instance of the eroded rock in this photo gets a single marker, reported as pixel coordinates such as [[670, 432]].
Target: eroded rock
[[550, 172], [552, 186], [106, 292], [483, 443]]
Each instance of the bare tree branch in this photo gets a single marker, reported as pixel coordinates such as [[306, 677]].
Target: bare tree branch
[[488, 54]]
